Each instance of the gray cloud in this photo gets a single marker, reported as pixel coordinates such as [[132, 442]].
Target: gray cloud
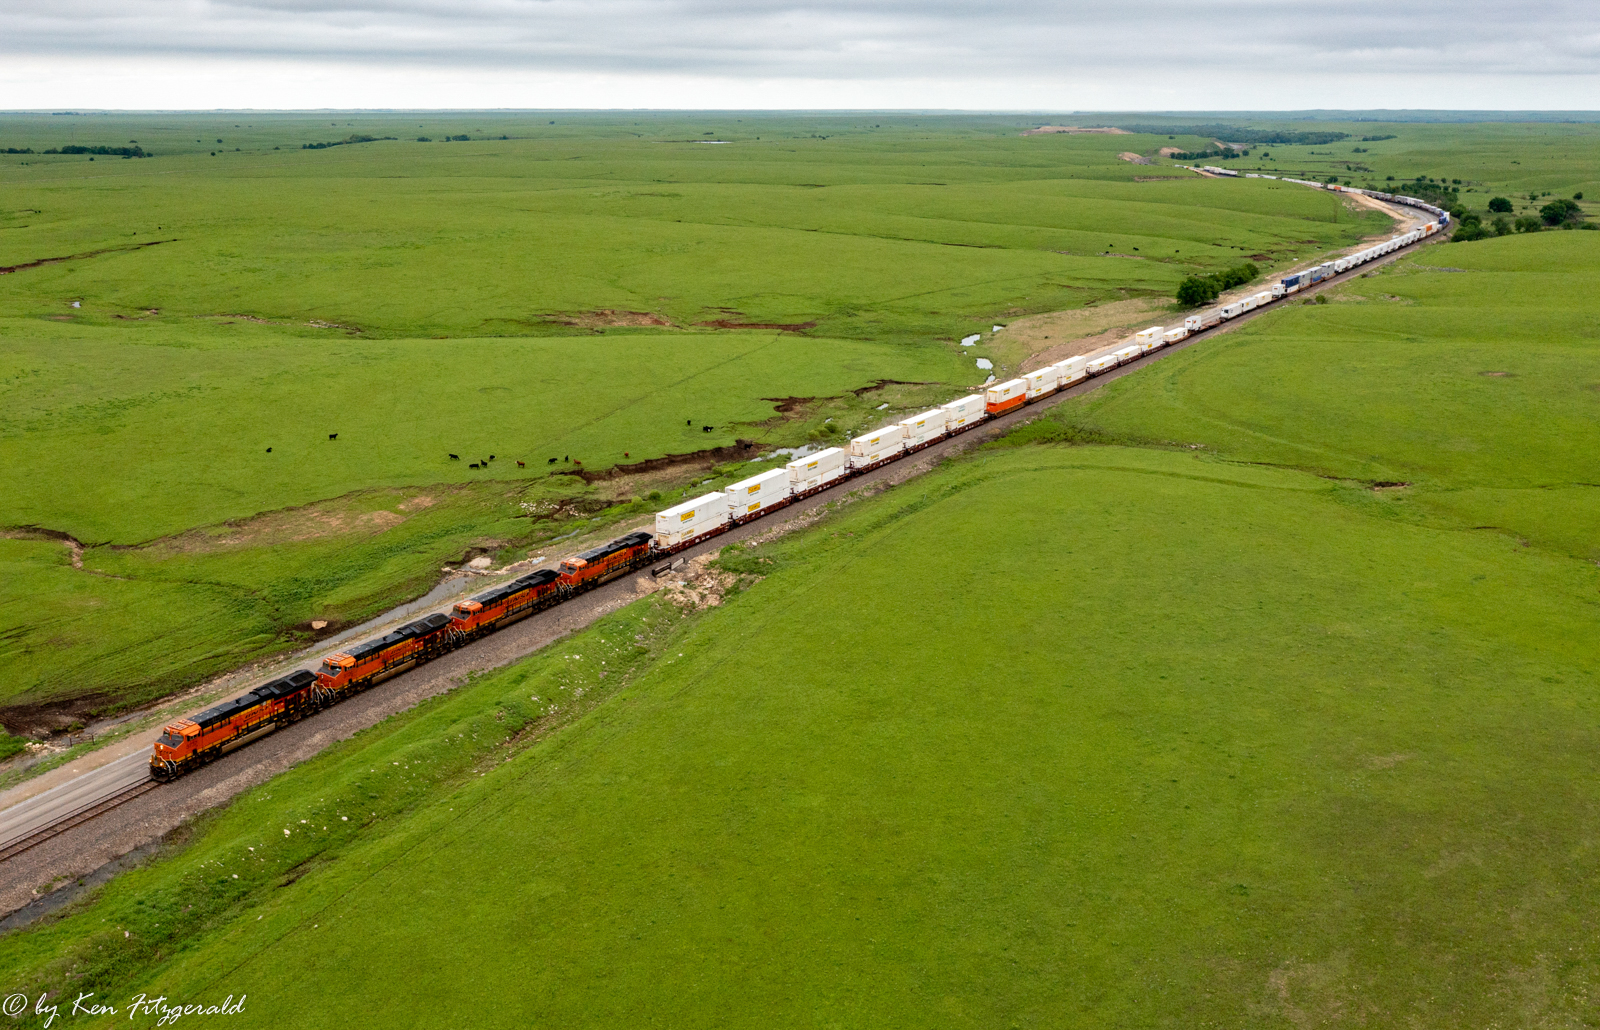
[[827, 38], [1267, 52]]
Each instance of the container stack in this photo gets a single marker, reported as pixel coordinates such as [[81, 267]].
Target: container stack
[[816, 470], [691, 519]]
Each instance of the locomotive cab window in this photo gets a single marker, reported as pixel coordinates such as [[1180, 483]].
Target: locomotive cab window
[[171, 739]]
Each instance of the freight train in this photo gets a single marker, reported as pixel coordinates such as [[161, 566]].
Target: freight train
[[189, 743]]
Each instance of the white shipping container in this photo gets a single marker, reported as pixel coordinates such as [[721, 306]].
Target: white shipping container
[[1263, 299], [964, 412], [1104, 363], [1172, 336], [1248, 304], [1127, 354], [875, 454], [816, 479], [1231, 310], [813, 465], [759, 491], [879, 440], [1072, 369], [927, 426], [1042, 382], [1150, 335], [691, 518]]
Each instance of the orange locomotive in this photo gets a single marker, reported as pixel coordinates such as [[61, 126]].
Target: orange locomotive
[[218, 730], [190, 743]]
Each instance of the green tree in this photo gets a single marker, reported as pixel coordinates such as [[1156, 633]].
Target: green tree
[[1196, 290], [1500, 205], [1528, 223], [1558, 211], [1502, 226]]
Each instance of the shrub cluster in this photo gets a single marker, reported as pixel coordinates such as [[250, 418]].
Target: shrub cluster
[[352, 138], [1203, 289], [1559, 212]]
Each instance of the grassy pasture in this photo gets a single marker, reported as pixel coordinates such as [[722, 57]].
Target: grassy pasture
[[162, 435], [512, 237], [1129, 737], [489, 297], [1468, 371]]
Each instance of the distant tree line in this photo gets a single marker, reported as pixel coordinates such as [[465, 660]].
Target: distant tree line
[[1375, 139], [74, 148], [1249, 137], [1225, 153], [1203, 289], [352, 138]]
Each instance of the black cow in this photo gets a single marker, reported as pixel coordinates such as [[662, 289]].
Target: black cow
[[491, 457], [333, 436], [552, 461], [455, 457], [705, 429], [473, 465], [269, 450]]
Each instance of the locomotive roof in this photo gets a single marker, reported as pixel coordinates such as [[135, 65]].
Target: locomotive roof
[[516, 586], [621, 544], [268, 691], [422, 627]]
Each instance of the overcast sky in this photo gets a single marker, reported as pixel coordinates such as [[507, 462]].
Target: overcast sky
[[1003, 54]]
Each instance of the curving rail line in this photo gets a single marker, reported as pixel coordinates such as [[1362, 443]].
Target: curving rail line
[[29, 828]]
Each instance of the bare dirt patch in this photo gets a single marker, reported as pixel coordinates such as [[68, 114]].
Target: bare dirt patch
[[694, 586], [1041, 339], [289, 525], [248, 318], [8, 269], [35, 533], [787, 327], [1073, 348], [1130, 156], [862, 391], [740, 450], [1169, 151], [609, 318], [1074, 130]]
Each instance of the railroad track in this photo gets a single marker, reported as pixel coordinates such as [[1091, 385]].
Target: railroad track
[[78, 818]]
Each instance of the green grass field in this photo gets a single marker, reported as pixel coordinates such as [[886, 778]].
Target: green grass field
[[1158, 735], [1467, 372], [559, 292], [1155, 740]]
